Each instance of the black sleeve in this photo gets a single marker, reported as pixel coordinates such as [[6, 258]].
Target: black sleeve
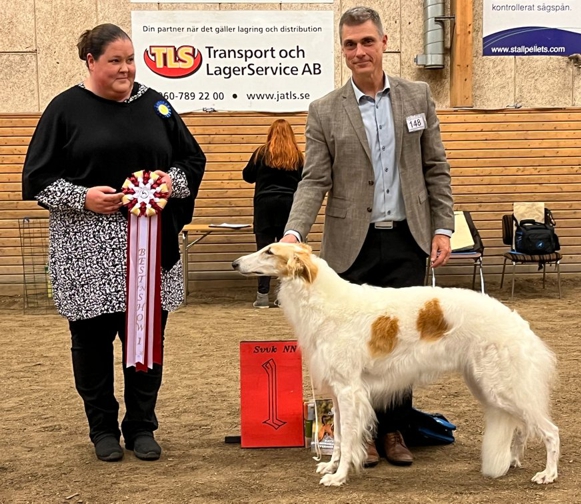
[[187, 154], [188, 157], [251, 169], [44, 163]]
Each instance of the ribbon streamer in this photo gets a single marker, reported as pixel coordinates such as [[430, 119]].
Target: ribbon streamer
[[145, 196]]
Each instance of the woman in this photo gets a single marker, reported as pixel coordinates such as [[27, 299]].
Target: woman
[[276, 169], [88, 141]]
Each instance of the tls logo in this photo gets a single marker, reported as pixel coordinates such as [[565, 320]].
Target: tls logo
[[172, 62]]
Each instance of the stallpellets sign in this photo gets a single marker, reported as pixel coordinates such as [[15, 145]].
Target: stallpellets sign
[[226, 60]]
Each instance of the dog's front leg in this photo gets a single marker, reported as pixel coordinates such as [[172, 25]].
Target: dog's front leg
[[331, 466], [350, 433]]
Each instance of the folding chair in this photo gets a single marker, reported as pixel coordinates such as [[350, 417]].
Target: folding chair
[[468, 246], [518, 258]]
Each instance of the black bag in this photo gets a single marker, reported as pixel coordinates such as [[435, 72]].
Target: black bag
[[428, 429], [535, 238]]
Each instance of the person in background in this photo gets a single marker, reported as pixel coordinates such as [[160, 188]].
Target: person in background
[[275, 168], [374, 148], [89, 139]]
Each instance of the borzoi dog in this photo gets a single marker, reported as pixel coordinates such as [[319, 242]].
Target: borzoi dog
[[368, 343]]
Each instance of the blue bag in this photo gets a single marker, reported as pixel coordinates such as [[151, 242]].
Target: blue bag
[[428, 429]]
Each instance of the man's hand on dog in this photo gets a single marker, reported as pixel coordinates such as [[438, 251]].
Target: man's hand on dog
[[289, 238]]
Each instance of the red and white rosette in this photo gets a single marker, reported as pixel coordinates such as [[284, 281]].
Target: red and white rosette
[[145, 196]]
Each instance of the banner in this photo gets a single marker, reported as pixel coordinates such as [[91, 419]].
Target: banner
[[267, 61], [531, 28]]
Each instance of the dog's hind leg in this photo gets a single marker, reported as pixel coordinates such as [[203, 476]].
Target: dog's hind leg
[[496, 445], [331, 466], [356, 419], [517, 449], [499, 429], [507, 428], [550, 434]]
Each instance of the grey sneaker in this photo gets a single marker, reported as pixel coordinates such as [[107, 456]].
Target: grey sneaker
[[261, 301]]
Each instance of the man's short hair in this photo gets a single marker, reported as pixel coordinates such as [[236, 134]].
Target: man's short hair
[[357, 16]]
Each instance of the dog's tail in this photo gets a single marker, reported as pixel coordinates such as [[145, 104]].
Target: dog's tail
[[496, 445]]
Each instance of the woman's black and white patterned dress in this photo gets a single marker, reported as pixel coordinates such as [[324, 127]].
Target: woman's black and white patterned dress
[[88, 250]]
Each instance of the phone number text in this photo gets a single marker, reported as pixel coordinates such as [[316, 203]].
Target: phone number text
[[193, 95]]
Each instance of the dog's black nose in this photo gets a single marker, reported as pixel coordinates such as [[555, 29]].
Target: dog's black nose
[[235, 264]]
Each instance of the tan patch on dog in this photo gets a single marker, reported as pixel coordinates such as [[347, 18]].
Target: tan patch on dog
[[297, 257], [304, 267], [431, 323], [383, 336]]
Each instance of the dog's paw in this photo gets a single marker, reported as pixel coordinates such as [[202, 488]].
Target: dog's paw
[[327, 467], [544, 477], [333, 480], [515, 462]]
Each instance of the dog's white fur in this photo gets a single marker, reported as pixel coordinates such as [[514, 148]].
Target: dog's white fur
[[367, 344]]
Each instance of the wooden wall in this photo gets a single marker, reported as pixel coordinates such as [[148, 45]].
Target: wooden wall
[[497, 158]]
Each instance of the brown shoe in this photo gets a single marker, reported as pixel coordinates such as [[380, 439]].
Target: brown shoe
[[372, 456], [396, 452]]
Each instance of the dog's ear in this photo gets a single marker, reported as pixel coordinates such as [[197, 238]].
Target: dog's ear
[[300, 265]]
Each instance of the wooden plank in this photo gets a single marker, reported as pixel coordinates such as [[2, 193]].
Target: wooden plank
[[229, 119], [461, 54], [17, 132], [14, 140], [490, 182], [510, 145], [519, 154], [10, 177], [10, 159], [246, 149], [11, 168], [531, 116], [450, 126], [6, 150], [474, 136], [571, 197], [238, 139], [510, 171], [502, 162]]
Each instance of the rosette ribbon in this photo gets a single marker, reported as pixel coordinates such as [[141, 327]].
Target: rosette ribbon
[[145, 196]]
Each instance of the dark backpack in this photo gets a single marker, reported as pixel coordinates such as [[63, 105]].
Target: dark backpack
[[427, 429], [535, 238]]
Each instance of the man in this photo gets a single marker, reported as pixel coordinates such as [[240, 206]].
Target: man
[[374, 147]]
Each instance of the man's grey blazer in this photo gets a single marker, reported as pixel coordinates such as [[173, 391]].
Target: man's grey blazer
[[338, 162]]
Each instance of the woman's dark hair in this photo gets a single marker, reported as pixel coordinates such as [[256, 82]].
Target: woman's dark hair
[[95, 41]]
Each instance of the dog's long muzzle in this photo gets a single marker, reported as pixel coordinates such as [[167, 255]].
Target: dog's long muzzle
[[236, 264]]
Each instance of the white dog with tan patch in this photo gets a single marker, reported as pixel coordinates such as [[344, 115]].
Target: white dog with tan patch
[[368, 343]]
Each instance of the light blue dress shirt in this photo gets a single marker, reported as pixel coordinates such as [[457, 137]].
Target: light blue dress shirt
[[377, 117]]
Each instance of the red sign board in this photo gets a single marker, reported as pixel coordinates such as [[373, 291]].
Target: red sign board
[[271, 394]]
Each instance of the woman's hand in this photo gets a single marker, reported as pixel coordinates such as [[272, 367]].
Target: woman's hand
[[103, 200], [166, 179]]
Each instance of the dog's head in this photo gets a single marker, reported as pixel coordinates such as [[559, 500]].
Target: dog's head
[[282, 260]]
